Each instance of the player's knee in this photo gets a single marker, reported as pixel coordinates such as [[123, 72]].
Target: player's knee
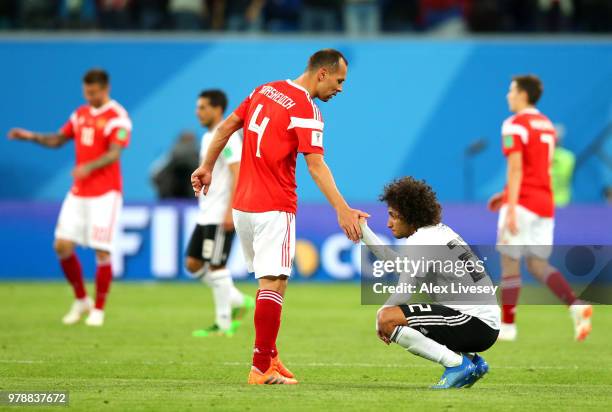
[[102, 256], [538, 268], [510, 265], [63, 248], [386, 319], [193, 265], [275, 283]]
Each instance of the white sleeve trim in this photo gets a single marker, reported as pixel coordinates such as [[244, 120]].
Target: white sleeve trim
[[515, 129], [74, 120], [305, 123], [116, 122]]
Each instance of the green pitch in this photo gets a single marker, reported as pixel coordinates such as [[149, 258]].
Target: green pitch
[[145, 358]]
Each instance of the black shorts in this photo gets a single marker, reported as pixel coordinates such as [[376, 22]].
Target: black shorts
[[455, 330], [211, 244]]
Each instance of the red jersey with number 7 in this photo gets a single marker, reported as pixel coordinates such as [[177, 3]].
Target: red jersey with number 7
[[280, 121], [533, 135], [93, 130]]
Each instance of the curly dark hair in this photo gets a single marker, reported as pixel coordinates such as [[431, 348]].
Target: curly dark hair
[[414, 200]]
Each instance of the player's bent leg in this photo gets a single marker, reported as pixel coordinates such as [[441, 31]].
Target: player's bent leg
[[392, 326], [510, 291], [387, 319]]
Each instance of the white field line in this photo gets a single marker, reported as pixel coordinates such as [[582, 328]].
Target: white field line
[[391, 365], [295, 364]]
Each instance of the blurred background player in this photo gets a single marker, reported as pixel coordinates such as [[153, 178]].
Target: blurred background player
[[562, 170], [101, 130], [168, 171], [448, 331], [280, 120], [211, 241], [526, 207]]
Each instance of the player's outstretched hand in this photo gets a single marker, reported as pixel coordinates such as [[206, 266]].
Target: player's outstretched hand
[[495, 202], [348, 219], [200, 180], [20, 134]]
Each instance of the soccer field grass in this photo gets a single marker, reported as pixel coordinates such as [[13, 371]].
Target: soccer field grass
[[144, 358]]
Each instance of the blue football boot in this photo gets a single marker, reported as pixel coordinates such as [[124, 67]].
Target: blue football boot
[[482, 367], [456, 376]]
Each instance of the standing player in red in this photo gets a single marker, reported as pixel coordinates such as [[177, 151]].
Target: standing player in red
[[280, 120], [101, 130], [526, 207]]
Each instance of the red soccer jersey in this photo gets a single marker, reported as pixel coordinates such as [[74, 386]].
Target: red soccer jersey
[[533, 135], [280, 121], [93, 131]]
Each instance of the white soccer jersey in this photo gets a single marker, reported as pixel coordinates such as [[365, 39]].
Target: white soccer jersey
[[214, 205], [431, 238]]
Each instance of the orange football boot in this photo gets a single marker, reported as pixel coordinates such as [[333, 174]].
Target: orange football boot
[[270, 377], [276, 362]]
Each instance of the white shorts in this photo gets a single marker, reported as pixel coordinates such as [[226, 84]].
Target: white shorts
[[90, 221], [268, 241], [534, 237]]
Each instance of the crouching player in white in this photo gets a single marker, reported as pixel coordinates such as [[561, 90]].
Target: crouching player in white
[[450, 333], [212, 238], [100, 130]]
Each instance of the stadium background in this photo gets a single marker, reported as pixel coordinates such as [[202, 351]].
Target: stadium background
[[409, 107], [425, 96]]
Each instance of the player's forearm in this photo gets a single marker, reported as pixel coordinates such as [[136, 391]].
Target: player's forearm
[[220, 139], [49, 139], [325, 181], [515, 175], [107, 158], [375, 245]]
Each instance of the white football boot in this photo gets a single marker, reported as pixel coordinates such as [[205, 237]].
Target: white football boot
[[581, 314], [79, 308], [95, 318], [507, 332]]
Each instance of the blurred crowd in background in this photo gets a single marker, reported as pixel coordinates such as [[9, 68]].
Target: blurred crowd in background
[[364, 17]]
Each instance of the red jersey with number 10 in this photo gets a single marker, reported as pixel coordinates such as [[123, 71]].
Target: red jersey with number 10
[[280, 121], [93, 131], [533, 135]]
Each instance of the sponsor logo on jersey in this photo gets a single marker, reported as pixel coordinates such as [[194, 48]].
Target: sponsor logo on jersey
[[508, 141]]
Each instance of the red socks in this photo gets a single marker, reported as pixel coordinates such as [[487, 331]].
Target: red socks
[[74, 274], [267, 318], [559, 286], [104, 277], [510, 290]]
